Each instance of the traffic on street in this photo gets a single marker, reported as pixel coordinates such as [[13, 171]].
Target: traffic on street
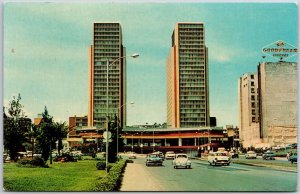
[[204, 177]]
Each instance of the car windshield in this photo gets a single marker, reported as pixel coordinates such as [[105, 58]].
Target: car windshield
[[182, 156], [152, 156], [221, 154]]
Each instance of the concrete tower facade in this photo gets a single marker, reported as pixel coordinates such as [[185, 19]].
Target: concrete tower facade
[[107, 46], [187, 77], [249, 110]]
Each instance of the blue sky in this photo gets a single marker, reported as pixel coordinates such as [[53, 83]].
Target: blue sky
[[46, 52]]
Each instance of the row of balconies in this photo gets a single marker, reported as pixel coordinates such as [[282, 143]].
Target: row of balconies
[[107, 33], [191, 68], [105, 42], [110, 85], [105, 50], [200, 85]]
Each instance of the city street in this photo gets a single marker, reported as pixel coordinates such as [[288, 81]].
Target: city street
[[203, 177]]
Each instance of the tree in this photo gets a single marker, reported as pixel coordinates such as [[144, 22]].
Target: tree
[[61, 130], [116, 132], [15, 126], [45, 135], [48, 133]]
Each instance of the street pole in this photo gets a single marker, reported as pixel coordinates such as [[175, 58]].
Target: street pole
[[135, 55], [106, 149], [153, 142], [131, 143]]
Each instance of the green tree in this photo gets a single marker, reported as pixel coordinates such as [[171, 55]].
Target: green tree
[[112, 150], [48, 133], [15, 126], [61, 130], [45, 135]]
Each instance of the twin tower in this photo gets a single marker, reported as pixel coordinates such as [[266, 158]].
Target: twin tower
[[187, 76]]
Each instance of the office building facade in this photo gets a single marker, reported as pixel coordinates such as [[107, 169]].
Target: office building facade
[[249, 110], [107, 46], [187, 77], [278, 102]]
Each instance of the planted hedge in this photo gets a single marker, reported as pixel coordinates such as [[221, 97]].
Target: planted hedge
[[112, 180], [31, 163]]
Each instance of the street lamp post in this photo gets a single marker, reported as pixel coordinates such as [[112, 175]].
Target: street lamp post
[[107, 66], [153, 142]]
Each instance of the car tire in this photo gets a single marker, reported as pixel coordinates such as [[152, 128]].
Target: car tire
[[190, 166], [213, 163], [174, 167]]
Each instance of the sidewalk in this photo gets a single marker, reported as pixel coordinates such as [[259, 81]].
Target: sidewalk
[[136, 178]]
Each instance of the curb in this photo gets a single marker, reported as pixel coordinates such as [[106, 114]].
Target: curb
[[258, 165]]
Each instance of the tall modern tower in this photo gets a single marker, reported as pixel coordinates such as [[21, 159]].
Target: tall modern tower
[[187, 77], [107, 45]]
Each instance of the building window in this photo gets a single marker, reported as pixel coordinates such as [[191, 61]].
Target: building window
[[252, 83], [253, 119], [252, 76], [252, 97], [253, 105]]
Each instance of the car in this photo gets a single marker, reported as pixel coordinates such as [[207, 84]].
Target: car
[[250, 155], [293, 158], [294, 145], [181, 160], [170, 155], [215, 158], [132, 155], [161, 155], [268, 156], [154, 159], [233, 154]]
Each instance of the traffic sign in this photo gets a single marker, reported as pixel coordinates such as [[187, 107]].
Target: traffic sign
[[107, 135]]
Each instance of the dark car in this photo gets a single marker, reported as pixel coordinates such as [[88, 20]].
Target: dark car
[[293, 158], [268, 156], [294, 145], [154, 159], [234, 154]]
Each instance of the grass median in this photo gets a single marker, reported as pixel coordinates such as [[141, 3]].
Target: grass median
[[268, 163], [69, 176]]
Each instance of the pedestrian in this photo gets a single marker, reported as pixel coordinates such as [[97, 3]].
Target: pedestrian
[[288, 155]]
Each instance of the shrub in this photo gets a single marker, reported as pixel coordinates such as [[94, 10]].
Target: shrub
[[35, 162], [101, 165], [111, 182]]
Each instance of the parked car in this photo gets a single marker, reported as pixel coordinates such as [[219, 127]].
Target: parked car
[[234, 154], [154, 159], [268, 156], [215, 158], [132, 155], [250, 155], [293, 158], [170, 155], [181, 160], [294, 145]]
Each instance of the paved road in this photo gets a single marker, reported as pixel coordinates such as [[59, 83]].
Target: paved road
[[203, 177]]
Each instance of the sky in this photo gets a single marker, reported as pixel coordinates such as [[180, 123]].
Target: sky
[[45, 50]]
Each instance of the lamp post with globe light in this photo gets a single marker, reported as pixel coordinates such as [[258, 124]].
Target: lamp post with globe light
[[135, 55]]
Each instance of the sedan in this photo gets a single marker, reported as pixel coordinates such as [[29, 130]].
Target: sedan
[[293, 158], [268, 156], [154, 159], [250, 154], [181, 160], [132, 155]]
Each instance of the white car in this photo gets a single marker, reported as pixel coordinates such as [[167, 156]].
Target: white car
[[170, 155], [215, 158], [250, 154], [181, 160], [132, 155]]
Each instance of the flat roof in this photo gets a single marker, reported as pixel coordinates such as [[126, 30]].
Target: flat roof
[[133, 129]]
